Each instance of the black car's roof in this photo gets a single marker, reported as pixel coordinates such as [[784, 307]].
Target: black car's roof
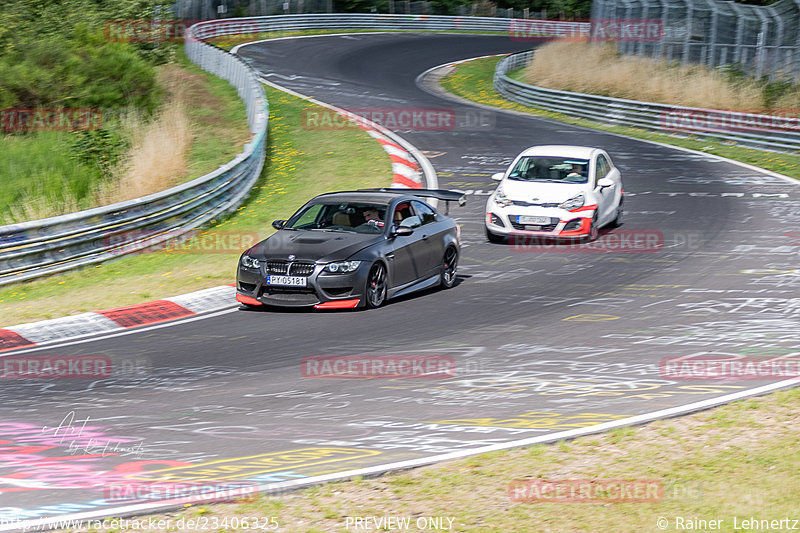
[[365, 196]]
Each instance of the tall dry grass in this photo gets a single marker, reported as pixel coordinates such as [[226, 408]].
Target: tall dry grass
[[159, 150], [598, 69]]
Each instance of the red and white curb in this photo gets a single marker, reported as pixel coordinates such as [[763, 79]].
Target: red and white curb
[[119, 319], [406, 171]]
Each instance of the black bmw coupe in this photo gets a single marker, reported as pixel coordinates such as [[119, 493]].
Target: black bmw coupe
[[353, 249]]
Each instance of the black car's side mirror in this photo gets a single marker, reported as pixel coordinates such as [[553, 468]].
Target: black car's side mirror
[[401, 231], [278, 224]]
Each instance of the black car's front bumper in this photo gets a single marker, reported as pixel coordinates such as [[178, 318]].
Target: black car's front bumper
[[322, 288]]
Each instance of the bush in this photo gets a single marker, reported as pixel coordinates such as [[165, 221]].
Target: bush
[[85, 72]]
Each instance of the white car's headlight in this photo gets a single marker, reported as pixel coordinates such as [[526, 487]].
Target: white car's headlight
[[250, 262], [500, 197], [573, 203], [342, 267]]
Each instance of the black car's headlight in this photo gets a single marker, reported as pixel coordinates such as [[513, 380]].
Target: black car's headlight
[[342, 267], [250, 262]]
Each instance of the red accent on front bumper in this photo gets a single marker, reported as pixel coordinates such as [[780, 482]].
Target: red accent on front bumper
[[584, 208], [338, 304], [583, 230], [247, 300]]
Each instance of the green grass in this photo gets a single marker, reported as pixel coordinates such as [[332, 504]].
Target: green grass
[[300, 164], [750, 469], [473, 80], [39, 166]]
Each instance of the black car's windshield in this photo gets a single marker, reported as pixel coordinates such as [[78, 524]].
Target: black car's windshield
[[551, 169], [356, 217]]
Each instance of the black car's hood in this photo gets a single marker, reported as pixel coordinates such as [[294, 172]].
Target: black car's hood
[[313, 245]]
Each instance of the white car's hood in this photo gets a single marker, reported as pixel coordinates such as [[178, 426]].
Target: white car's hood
[[546, 192]]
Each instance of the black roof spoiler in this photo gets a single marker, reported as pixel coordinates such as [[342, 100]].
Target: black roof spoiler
[[439, 194]]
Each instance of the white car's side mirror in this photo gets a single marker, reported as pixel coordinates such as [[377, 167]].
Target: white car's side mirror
[[498, 176], [604, 183]]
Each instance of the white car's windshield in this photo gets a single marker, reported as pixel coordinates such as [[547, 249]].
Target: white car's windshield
[[356, 217], [551, 169]]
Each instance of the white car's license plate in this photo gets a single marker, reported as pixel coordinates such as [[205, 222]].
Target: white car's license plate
[[293, 281], [539, 221]]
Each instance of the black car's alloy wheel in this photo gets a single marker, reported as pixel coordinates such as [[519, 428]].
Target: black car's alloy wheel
[[376, 286], [449, 265]]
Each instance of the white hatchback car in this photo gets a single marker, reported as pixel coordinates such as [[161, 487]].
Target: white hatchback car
[[556, 191]]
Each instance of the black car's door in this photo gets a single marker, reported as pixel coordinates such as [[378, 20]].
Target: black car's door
[[407, 255], [432, 242]]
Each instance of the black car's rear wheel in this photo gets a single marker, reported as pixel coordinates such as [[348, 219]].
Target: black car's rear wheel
[[375, 293], [449, 266]]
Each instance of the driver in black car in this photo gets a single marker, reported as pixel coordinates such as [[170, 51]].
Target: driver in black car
[[372, 217]]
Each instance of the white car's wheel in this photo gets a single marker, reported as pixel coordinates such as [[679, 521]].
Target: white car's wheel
[[493, 237], [594, 231], [617, 222]]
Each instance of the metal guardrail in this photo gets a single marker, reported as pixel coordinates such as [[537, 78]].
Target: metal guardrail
[[42, 247], [763, 132], [372, 21]]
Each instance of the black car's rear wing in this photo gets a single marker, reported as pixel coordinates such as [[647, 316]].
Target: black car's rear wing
[[440, 194]]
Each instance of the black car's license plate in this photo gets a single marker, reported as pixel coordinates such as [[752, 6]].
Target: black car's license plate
[[291, 281]]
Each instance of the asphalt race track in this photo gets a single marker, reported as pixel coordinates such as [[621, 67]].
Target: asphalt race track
[[543, 340]]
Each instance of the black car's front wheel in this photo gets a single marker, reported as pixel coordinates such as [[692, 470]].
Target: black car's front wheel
[[375, 293], [449, 265]]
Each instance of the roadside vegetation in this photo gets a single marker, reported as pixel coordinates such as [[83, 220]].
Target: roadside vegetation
[[472, 80], [736, 461], [589, 68], [157, 119], [300, 163]]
